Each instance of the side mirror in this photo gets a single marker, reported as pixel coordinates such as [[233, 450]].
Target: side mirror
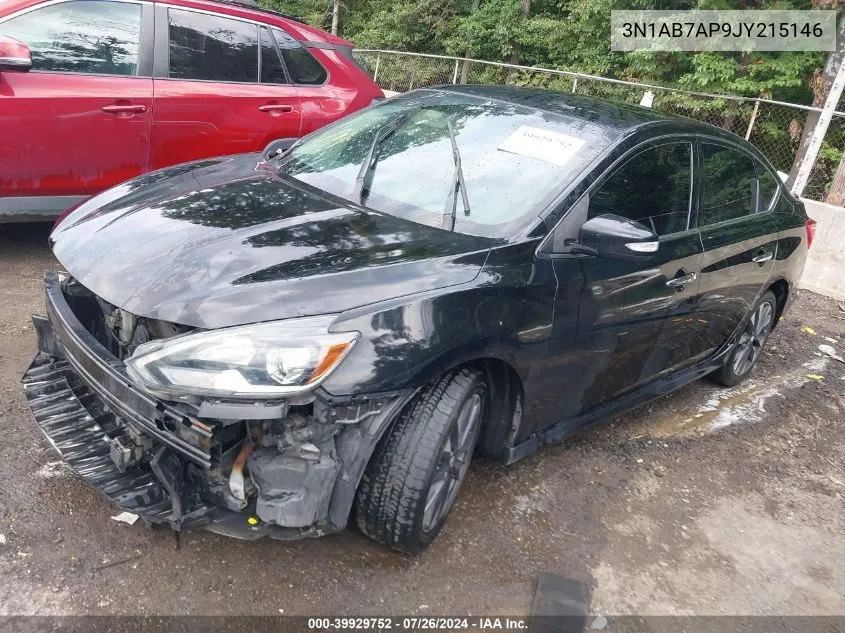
[[618, 238], [14, 55]]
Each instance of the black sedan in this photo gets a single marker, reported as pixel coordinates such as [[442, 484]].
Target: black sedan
[[272, 346]]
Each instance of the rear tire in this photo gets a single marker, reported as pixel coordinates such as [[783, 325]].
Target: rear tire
[[415, 473], [746, 351]]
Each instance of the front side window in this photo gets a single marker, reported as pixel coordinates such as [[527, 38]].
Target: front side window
[[728, 185], [653, 188], [302, 66], [81, 37], [212, 48]]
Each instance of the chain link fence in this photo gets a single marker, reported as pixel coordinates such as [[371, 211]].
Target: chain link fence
[[774, 127]]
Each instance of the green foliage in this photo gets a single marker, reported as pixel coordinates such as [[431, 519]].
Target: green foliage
[[574, 35], [568, 35]]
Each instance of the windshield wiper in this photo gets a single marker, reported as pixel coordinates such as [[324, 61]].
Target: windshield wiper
[[364, 178], [451, 212]]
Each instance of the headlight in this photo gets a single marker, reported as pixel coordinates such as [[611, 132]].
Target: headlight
[[266, 360]]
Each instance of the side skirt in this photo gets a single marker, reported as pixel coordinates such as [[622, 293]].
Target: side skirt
[[35, 208], [566, 428]]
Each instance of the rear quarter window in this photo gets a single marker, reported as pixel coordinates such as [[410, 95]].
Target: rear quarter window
[[301, 64]]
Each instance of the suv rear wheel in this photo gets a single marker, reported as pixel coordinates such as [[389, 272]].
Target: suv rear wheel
[[414, 475]]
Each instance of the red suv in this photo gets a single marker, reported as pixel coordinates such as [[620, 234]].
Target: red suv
[[121, 87]]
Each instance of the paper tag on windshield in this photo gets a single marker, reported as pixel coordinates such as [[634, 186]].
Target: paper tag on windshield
[[552, 147]]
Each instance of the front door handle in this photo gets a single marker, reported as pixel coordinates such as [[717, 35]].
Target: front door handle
[[679, 282], [124, 109], [275, 107], [763, 256]]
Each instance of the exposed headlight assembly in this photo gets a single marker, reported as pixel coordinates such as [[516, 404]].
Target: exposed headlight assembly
[[265, 360]]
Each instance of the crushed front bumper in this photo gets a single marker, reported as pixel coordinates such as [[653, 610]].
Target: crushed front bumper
[[83, 401]]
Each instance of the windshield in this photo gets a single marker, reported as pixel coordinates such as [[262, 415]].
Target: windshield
[[513, 160]]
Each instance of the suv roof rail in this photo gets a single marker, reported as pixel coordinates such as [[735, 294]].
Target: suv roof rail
[[252, 4]]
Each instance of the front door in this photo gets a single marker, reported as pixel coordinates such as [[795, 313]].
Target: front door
[[79, 121], [221, 88], [634, 317]]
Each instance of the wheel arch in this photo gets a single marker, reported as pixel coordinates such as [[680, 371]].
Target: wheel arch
[[505, 404], [782, 290]]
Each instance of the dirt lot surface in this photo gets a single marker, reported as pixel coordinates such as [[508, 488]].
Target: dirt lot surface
[[708, 501]]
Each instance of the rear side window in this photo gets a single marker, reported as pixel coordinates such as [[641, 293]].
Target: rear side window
[[728, 178], [212, 48], [272, 69], [81, 37], [653, 188], [302, 66]]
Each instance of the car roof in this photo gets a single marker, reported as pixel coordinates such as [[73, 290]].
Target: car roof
[[619, 117]]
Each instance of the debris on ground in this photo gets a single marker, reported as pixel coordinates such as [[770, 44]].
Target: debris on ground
[[2, 539], [126, 517], [599, 623], [829, 350], [815, 376], [808, 330]]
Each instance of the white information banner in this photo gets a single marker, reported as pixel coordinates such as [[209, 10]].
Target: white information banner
[[729, 30]]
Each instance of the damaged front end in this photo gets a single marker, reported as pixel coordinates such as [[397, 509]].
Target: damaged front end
[[285, 467]]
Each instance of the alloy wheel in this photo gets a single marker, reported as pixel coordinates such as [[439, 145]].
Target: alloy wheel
[[750, 344], [453, 462]]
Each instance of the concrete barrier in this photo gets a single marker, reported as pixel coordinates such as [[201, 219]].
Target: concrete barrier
[[825, 269]]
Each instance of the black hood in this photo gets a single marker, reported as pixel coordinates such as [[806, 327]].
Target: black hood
[[226, 241]]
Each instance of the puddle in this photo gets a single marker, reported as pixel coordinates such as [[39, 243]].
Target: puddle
[[743, 404]]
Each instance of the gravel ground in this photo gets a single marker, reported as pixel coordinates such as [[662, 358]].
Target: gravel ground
[[708, 501]]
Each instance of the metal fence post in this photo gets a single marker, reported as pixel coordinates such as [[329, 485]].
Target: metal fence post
[[455, 74], [753, 119], [375, 73]]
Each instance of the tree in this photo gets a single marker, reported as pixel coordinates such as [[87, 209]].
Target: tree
[[335, 15], [526, 9], [465, 65]]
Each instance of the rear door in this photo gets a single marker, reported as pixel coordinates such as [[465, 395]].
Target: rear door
[[738, 235], [80, 120], [220, 87], [321, 102]]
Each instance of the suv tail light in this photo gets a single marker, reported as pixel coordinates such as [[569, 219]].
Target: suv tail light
[[810, 225]]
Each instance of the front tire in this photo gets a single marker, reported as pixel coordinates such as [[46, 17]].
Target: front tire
[[746, 351], [415, 473]]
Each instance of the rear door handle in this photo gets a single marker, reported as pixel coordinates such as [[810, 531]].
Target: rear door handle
[[678, 283], [763, 256], [275, 107], [124, 109]]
